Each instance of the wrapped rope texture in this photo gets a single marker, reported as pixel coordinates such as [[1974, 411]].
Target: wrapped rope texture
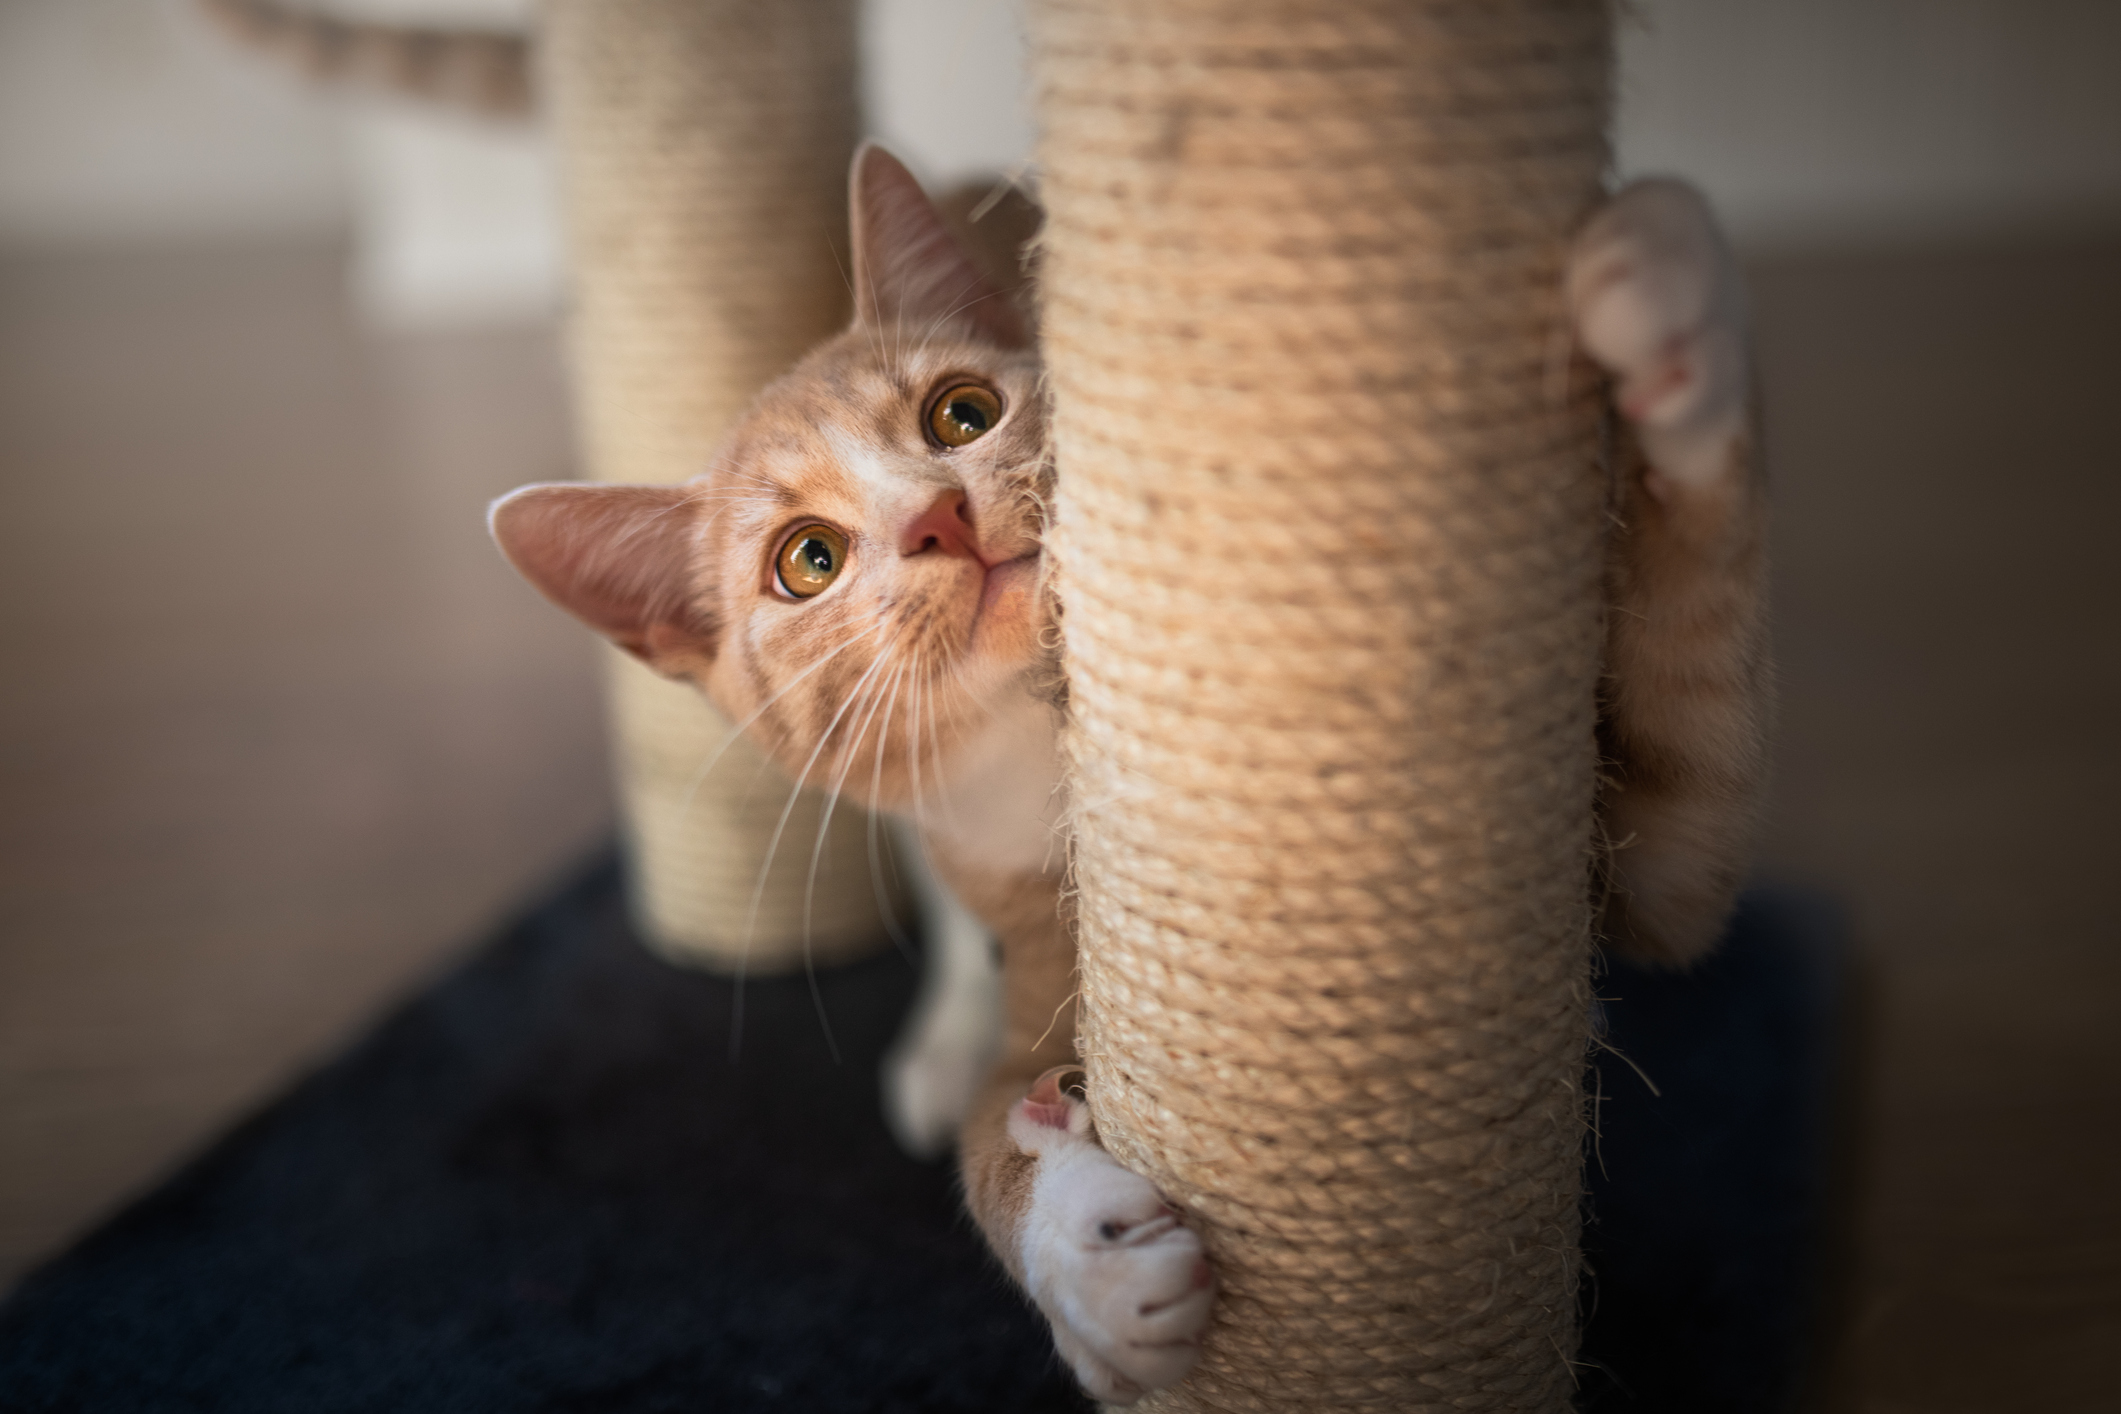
[[703, 148], [1328, 540]]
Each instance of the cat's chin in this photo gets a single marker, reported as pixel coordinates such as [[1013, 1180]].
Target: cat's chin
[[1005, 628]]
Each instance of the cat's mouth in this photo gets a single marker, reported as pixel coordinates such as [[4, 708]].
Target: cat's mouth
[[1005, 576]]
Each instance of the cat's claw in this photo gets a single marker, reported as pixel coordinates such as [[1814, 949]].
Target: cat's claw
[[1124, 1282], [1657, 303]]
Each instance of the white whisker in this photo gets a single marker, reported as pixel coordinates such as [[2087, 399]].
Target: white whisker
[[876, 790], [845, 763], [700, 777], [935, 760], [773, 845], [913, 740], [736, 1007]]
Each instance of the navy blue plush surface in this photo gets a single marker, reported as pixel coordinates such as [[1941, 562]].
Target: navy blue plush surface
[[544, 1186], [1703, 1201]]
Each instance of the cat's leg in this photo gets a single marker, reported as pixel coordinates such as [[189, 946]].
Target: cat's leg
[[936, 1067], [1123, 1282], [1658, 304]]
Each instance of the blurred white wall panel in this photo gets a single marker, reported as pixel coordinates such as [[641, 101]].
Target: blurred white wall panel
[[453, 217], [454, 224], [947, 87]]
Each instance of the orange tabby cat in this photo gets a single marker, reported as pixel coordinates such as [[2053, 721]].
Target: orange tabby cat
[[858, 579]]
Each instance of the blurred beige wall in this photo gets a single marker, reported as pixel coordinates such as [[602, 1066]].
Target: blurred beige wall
[[1809, 121], [1819, 122]]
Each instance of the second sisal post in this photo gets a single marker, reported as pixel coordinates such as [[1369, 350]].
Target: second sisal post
[[1328, 540], [703, 148]]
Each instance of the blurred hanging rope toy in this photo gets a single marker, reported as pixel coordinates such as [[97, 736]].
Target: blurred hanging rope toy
[[480, 71]]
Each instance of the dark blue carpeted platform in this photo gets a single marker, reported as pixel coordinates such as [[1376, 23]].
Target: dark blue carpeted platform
[[543, 1186], [1703, 1202]]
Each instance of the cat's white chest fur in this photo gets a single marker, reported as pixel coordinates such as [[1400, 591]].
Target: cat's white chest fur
[[999, 809], [999, 812]]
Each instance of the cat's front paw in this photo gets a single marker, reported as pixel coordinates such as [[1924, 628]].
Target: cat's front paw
[[1657, 303], [1124, 1282]]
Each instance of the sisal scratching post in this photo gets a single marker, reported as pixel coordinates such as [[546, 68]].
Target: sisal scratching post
[[704, 148], [1329, 543]]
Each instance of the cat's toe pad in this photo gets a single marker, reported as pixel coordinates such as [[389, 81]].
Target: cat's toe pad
[[1656, 301], [1124, 1282]]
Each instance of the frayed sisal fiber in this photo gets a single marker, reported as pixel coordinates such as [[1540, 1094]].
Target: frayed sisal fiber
[[1328, 540], [703, 148]]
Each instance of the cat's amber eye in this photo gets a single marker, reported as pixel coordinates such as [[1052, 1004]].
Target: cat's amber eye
[[964, 414], [810, 560]]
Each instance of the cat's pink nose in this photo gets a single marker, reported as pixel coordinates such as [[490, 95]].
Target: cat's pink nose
[[945, 527]]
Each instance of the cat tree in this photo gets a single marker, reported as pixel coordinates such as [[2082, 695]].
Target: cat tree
[[703, 151], [1328, 538], [1329, 545]]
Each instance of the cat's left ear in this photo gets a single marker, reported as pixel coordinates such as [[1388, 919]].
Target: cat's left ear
[[622, 559], [908, 268]]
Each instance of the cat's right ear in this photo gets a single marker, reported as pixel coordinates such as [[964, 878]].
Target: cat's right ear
[[908, 268], [622, 559]]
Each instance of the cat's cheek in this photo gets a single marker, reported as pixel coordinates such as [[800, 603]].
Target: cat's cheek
[[726, 684]]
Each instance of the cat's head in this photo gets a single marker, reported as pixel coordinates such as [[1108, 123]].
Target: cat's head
[[858, 576]]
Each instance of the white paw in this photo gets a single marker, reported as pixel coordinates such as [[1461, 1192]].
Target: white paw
[[1657, 302], [1124, 1282], [952, 1033]]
